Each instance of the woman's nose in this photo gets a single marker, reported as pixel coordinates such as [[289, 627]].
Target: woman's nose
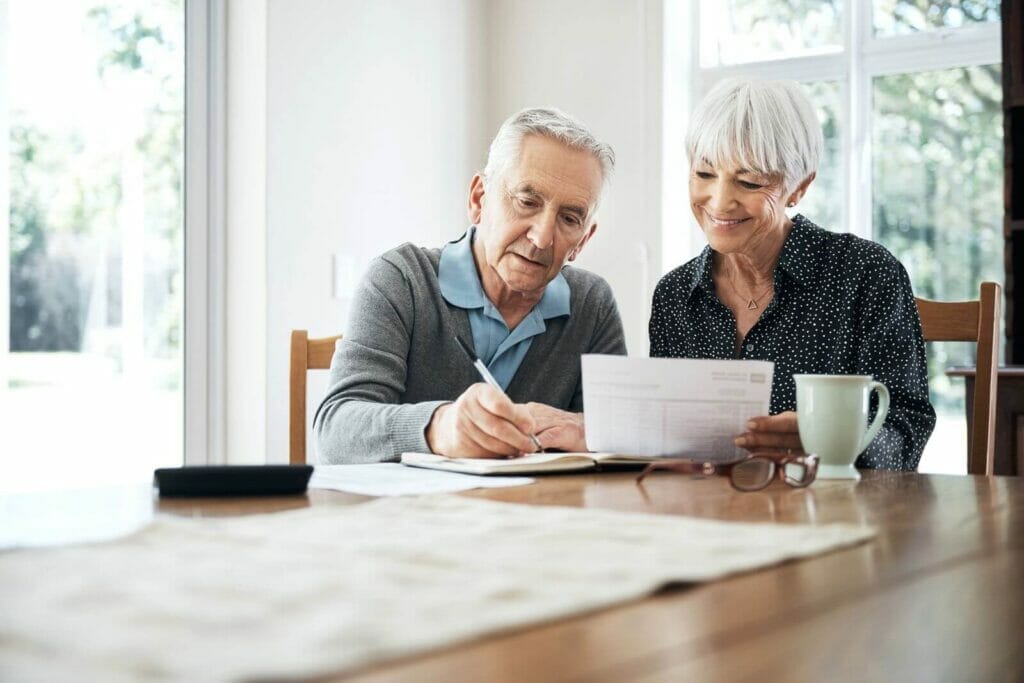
[[720, 197]]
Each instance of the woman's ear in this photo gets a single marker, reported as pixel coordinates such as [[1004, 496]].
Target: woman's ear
[[796, 195]]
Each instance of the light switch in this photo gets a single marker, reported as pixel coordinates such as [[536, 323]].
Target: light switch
[[345, 275]]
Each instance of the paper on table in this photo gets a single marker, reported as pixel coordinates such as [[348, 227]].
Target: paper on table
[[672, 407], [393, 479]]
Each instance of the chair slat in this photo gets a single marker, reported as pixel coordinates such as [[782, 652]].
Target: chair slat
[[949, 321], [320, 352]]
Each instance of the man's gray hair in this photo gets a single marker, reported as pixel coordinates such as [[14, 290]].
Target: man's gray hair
[[768, 127], [549, 122]]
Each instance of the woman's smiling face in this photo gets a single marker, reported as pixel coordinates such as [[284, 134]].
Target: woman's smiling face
[[737, 208]]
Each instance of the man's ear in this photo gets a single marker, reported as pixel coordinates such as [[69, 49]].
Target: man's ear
[[798, 194], [575, 251], [475, 206]]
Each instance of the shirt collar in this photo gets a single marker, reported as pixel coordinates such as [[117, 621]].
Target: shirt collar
[[799, 256], [701, 278], [797, 260], [456, 273], [460, 282]]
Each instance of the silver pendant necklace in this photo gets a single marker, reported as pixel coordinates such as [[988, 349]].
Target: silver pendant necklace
[[752, 302]]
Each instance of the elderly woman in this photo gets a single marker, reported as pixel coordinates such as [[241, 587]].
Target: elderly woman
[[770, 287]]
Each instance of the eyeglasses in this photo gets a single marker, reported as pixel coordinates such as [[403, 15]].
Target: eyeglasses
[[750, 474]]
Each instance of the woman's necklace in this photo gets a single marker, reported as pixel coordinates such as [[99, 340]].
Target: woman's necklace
[[752, 301]]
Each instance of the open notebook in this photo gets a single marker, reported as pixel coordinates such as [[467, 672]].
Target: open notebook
[[534, 463]]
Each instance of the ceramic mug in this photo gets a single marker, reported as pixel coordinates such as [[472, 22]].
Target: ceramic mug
[[832, 413]]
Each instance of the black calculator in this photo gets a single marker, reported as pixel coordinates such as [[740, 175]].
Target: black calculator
[[232, 480]]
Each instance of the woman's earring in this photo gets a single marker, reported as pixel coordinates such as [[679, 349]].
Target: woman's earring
[[791, 203]]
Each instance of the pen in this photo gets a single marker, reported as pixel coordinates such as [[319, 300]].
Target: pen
[[489, 378]]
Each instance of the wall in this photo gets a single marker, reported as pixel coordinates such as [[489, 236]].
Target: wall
[[378, 114], [599, 60], [373, 132]]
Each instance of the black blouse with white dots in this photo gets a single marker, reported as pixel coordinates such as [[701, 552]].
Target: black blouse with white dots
[[843, 305]]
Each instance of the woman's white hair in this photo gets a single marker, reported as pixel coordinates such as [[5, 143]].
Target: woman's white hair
[[769, 127], [549, 122]]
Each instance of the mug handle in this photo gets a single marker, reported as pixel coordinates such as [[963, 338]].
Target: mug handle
[[883, 410]]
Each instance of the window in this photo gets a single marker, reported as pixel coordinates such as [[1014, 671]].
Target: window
[[91, 359], [909, 96]]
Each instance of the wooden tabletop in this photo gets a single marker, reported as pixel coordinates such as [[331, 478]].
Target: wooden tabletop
[[938, 595]]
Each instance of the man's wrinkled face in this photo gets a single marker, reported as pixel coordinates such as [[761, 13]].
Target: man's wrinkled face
[[536, 217]]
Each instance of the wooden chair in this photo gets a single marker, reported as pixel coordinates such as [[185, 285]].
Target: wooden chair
[[976, 321], [307, 354]]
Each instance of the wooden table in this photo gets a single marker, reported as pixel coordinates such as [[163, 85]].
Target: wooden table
[[938, 595]]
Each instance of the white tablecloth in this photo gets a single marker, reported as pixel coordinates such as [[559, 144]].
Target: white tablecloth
[[330, 588]]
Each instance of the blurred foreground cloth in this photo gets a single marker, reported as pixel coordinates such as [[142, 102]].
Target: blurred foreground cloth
[[331, 588]]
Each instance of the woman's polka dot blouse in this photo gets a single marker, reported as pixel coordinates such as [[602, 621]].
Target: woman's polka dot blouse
[[843, 305]]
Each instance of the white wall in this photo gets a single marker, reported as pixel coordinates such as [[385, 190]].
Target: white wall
[[599, 60], [373, 132], [378, 113]]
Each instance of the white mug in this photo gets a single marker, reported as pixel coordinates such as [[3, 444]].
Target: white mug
[[832, 412]]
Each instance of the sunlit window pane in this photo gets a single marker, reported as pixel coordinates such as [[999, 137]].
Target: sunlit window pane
[[938, 196], [898, 17], [823, 203], [94, 101], [742, 31]]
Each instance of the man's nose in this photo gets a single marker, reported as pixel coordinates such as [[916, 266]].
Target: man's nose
[[542, 229]]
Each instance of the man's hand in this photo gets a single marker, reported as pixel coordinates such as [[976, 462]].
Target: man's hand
[[775, 434], [558, 428], [482, 423]]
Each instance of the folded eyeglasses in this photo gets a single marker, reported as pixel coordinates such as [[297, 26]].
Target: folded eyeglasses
[[753, 473]]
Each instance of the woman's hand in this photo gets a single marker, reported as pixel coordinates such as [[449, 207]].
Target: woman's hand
[[772, 434]]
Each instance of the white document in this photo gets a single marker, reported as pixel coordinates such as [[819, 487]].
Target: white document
[[394, 479], [672, 407]]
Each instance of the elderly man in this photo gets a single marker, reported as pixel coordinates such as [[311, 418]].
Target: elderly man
[[399, 379]]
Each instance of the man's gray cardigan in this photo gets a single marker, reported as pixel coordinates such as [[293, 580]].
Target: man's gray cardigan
[[398, 360]]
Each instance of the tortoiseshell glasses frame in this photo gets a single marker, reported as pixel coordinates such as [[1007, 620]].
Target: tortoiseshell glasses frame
[[752, 473]]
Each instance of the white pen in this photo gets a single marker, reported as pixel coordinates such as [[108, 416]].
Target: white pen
[[489, 378]]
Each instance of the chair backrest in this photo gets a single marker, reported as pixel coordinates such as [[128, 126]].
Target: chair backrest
[[307, 354], [976, 321]]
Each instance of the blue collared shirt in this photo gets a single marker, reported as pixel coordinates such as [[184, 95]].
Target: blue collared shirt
[[501, 349]]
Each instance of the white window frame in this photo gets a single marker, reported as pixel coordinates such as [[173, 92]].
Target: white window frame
[[204, 329], [5, 227], [863, 57]]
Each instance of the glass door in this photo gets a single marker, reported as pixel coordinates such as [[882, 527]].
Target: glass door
[[91, 361]]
